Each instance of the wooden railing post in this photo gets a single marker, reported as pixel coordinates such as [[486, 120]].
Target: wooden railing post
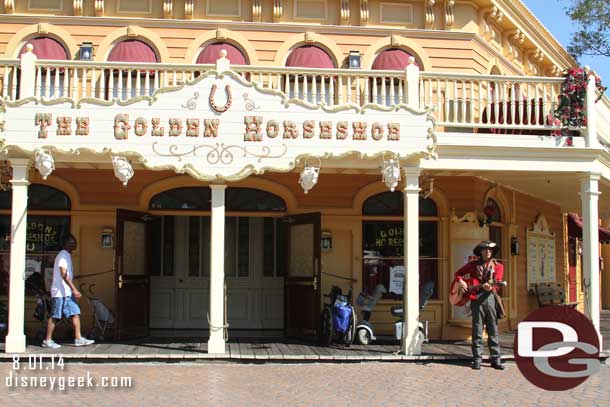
[[591, 130], [27, 82], [412, 73]]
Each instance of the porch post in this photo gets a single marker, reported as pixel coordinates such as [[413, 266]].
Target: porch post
[[591, 113], [15, 340], [411, 343], [589, 198], [216, 343]]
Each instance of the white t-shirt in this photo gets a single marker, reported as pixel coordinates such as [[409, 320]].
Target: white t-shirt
[[59, 288]]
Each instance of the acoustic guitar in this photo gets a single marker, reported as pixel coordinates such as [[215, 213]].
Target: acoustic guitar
[[465, 290]]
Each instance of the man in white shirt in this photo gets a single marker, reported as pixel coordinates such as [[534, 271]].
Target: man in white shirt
[[63, 296]]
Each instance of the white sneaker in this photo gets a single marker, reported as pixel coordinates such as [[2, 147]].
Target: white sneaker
[[50, 344], [83, 342]]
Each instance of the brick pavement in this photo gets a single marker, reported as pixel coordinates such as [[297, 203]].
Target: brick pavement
[[352, 384]]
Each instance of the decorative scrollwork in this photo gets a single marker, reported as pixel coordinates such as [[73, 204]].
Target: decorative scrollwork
[[250, 104], [228, 103], [191, 104], [221, 153]]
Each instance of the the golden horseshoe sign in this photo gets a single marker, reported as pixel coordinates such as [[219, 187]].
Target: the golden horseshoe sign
[[227, 105]]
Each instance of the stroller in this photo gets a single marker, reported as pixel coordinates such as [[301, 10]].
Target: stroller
[[338, 319], [103, 318]]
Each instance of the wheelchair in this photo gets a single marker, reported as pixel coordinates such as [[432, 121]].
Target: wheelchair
[[338, 318]]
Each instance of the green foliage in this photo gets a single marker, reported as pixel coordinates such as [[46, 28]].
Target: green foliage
[[592, 18]]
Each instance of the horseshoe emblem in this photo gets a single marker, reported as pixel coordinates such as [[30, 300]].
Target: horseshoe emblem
[[227, 105]]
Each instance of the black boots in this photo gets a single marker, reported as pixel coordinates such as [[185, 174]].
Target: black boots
[[497, 365], [476, 364]]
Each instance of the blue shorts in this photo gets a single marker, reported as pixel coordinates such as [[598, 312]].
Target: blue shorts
[[64, 307]]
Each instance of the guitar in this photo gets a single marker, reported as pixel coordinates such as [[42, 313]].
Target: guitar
[[465, 290]]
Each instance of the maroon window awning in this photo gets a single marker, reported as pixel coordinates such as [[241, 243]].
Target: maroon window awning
[[393, 59], [132, 51], [309, 56], [575, 229], [46, 48], [211, 53]]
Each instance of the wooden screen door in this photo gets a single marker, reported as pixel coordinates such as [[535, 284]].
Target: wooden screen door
[[303, 275], [131, 274]]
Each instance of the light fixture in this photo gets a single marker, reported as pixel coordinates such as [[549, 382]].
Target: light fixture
[[122, 169], [107, 238], [326, 241], [86, 51], [354, 60], [309, 176], [391, 172], [44, 163]]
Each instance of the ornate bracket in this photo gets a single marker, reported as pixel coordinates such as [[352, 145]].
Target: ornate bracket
[[533, 60], [430, 14], [364, 12], [449, 17], [168, 8], [99, 8], [277, 10], [188, 9], [513, 41], [9, 6], [555, 71], [345, 12], [257, 10], [487, 17], [77, 6]]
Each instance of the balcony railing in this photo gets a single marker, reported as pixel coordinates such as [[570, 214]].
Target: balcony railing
[[460, 102]]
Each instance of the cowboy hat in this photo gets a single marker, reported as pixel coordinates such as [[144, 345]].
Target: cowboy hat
[[485, 244]]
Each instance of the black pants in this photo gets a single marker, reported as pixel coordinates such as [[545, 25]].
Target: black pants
[[484, 313]]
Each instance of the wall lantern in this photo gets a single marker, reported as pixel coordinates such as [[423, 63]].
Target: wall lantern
[[327, 241], [122, 169], [86, 51], [353, 60], [107, 238], [309, 176], [391, 173], [514, 246]]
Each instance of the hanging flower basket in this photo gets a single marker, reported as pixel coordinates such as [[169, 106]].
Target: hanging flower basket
[[571, 110]]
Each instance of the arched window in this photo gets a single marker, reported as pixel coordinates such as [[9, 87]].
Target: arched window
[[390, 91], [50, 81], [211, 53], [383, 243], [236, 200], [128, 83], [43, 234], [314, 89]]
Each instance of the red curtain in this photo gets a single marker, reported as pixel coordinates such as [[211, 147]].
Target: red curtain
[[309, 56], [132, 51], [211, 53], [392, 60], [46, 48]]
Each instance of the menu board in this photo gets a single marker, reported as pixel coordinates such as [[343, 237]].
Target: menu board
[[540, 253]]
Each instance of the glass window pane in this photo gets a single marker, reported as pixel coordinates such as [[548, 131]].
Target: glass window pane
[[495, 235], [155, 226], [243, 246], [268, 247], [392, 204], [168, 245], [205, 233], [280, 248], [253, 200], [194, 198], [193, 246], [40, 197], [230, 246]]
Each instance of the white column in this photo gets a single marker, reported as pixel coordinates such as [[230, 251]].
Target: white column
[[216, 343], [411, 341], [589, 197], [15, 340], [591, 114]]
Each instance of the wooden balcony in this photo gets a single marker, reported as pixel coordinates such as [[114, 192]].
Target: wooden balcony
[[459, 102]]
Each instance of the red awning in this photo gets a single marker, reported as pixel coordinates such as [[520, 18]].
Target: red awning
[[392, 60], [211, 53], [132, 51], [46, 48], [309, 56], [575, 229]]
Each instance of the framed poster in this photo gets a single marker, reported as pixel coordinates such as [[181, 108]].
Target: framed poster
[[540, 253]]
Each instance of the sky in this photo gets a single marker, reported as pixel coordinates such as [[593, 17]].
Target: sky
[[553, 15]]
